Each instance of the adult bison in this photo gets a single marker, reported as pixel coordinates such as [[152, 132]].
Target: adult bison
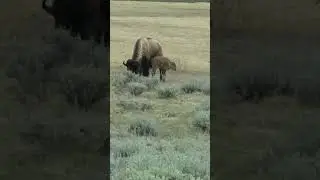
[[144, 50], [88, 18]]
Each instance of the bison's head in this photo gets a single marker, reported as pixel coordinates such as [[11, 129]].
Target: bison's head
[[132, 65]]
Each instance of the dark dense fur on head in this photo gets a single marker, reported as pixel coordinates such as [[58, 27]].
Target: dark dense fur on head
[[88, 18], [163, 64], [144, 50], [132, 66]]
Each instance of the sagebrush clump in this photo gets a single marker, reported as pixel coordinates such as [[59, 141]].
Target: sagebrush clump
[[136, 88], [151, 83], [135, 104], [120, 80], [191, 87], [143, 128], [62, 67], [165, 159], [167, 92], [196, 86], [42, 74], [84, 86], [201, 120]]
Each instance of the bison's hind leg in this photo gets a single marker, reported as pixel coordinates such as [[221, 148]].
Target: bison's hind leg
[[140, 69], [146, 72]]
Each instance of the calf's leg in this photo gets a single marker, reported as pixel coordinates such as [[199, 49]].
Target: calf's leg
[[154, 70], [162, 75]]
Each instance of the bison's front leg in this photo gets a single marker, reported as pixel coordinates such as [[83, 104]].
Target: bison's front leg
[[162, 75], [144, 65], [154, 70], [140, 70]]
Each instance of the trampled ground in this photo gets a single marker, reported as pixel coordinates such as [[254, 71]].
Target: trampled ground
[[161, 130]]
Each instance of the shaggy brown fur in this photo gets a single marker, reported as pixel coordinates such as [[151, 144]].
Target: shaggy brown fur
[[144, 50], [163, 64]]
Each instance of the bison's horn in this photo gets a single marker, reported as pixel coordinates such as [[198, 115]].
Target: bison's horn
[[124, 63]]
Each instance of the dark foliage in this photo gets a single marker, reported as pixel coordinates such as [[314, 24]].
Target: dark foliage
[[84, 86], [63, 67]]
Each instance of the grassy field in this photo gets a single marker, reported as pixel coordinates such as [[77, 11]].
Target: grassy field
[[161, 130]]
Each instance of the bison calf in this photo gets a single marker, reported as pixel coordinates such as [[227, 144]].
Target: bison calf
[[132, 65], [163, 64]]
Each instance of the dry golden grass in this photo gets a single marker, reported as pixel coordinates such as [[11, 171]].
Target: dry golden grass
[[182, 28]]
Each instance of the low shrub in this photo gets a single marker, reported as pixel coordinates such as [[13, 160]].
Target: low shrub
[[201, 120], [167, 92], [143, 128], [135, 105], [84, 86], [136, 88]]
